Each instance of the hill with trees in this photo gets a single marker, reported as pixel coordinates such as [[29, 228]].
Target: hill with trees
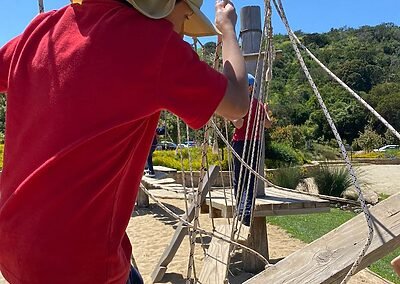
[[367, 59]]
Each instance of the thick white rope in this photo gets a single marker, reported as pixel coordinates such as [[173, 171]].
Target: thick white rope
[[256, 131], [354, 267], [203, 172]]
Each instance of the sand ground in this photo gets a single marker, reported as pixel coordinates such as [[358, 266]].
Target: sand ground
[[382, 178], [150, 231]]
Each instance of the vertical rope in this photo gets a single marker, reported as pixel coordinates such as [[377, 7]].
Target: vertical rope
[[203, 172], [352, 270]]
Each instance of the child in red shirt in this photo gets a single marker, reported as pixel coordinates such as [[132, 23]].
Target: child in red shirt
[[243, 180], [85, 86]]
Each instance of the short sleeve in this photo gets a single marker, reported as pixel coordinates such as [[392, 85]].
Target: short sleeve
[[189, 87], [6, 54]]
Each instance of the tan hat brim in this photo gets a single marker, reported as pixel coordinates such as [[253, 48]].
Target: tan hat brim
[[154, 9], [198, 24]]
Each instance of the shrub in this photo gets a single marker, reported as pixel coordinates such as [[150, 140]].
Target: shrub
[[287, 177], [325, 152], [369, 139], [369, 155], [280, 154], [172, 159], [332, 181], [289, 134]]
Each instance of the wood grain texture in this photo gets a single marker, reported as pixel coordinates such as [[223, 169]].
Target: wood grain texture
[[328, 259]]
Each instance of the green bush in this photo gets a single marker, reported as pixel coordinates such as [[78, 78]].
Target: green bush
[[281, 155], [172, 159], [287, 177], [325, 152], [332, 181], [368, 155]]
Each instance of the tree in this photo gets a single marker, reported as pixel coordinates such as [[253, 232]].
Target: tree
[[369, 139]]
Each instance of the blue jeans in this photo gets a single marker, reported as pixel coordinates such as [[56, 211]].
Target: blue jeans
[[134, 277], [246, 186], [150, 159]]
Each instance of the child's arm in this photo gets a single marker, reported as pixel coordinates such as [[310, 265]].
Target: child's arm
[[235, 102]]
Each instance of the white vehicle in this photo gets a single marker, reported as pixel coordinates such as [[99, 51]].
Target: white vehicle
[[387, 147]]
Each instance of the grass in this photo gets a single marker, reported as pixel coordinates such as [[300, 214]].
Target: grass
[[308, 228], [382, 196]]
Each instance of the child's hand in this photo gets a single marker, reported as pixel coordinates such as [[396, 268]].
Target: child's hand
[[268, 120], [225, 16]]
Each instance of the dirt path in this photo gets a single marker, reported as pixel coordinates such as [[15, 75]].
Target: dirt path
[[381, 178]]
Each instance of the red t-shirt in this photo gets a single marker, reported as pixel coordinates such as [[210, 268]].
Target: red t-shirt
[[257, 113], [85, 86]]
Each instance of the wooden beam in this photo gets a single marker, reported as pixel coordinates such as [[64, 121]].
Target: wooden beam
[[214, 264], [328, 259], [142, 200], [216, 261], [181, 231]]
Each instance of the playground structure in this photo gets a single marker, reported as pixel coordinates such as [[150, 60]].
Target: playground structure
[[330, 259]]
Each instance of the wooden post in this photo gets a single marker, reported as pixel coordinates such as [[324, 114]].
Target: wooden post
[[41, 6], [142, 199], [257, 240], [250, 31]]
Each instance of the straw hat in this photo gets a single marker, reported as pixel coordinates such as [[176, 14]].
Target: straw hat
[[197, 25]]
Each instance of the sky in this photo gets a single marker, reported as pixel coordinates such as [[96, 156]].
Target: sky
[[306, 15]]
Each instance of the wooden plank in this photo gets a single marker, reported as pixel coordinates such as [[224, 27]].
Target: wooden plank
[[181, 230], [328, 259], [142, 199], [273, 204], [285, 212], [216, 260], [164, 180]]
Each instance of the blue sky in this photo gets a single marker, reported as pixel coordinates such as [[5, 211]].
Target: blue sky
[[307, 15]]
